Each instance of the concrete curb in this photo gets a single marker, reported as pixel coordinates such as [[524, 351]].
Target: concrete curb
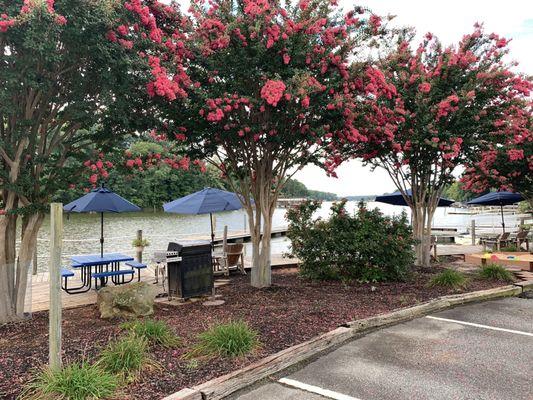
[[226, 385]]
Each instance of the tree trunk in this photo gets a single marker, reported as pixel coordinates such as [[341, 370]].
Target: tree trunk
[[31, 225], [422, 217], [422, 234], [14, 270], [8, 225], [263, 276], [260, 215], [8, 240], [418, 233]]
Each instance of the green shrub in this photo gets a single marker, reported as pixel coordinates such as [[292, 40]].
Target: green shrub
[[495, 272], [510, 248], [72, 382], [125, 357], [156, 332], [233, 339], [366, 246], [449, 278]]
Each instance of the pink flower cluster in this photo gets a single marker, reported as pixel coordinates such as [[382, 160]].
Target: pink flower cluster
[[27, 6], [375, 22], [256, 7], [162, 85], [378, 84], [219, 106], [99, 168], [515, 154], [273, 33], [272, 91], [447, 106], [424, 87], [214, 35], [6, 22]]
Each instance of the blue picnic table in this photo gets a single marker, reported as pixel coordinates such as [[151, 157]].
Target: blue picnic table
[[101, 268]]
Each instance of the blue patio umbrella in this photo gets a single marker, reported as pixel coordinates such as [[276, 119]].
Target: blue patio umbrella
[[397, 199], [206, 201], [497, 199], [101, 200]]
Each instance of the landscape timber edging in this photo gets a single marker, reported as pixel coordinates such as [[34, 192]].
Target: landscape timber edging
[[223, 386]]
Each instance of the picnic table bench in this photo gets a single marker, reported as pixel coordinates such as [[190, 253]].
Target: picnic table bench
[[100, 268]]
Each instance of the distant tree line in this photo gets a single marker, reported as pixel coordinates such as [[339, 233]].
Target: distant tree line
[[457, 193], [296, 189]]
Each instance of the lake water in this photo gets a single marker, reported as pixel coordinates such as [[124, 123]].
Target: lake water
[[82, 231]]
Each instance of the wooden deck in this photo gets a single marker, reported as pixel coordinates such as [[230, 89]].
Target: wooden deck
[[40, 288], [457, 249]]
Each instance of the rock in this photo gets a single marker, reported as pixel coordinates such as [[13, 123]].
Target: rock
[[126, 301]]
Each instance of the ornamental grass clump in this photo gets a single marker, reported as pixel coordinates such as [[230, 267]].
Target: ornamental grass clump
[[155, 332], [495, 272], [125, 357], [233, 339], [449, 278], [73, 382]]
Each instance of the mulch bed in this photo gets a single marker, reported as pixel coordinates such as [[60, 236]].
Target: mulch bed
[[293, 310]]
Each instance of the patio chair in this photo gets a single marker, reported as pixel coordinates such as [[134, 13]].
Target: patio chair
[[160, 260], [499, 241], [521, 238], [234, 258], [231, 258]]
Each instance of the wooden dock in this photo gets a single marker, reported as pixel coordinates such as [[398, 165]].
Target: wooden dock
[[243, 236], [457, 249]]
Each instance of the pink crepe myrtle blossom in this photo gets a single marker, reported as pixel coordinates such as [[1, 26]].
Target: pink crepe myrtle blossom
[[424, 87], [272, 91]]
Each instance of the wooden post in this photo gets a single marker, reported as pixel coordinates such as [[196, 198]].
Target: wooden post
[[225, 250], [139, 254], [214, 223], [35, 261], [56, 239], [473, 231]]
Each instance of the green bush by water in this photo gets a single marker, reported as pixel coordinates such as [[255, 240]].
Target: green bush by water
[[495, 272], [510, 248], [449, 278], [125, 357], [73, 382], [366, 246], [233, 339], [156, 332]]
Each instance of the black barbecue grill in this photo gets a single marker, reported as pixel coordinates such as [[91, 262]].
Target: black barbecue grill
[[189, 268]]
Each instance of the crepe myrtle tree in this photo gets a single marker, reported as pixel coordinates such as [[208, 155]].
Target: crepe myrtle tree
[[260, 88], [64, 87], [507, 162], [433, 109]]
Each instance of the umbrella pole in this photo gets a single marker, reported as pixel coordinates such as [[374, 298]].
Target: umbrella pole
[[101, 234], [212, 231], [503, 220]]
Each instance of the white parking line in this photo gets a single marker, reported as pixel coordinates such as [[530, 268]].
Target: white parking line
[[317, 390], [493, 328]]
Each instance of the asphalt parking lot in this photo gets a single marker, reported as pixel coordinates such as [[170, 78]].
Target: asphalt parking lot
[[480, 352]]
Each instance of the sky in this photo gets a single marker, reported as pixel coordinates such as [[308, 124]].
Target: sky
[[449, 20]]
